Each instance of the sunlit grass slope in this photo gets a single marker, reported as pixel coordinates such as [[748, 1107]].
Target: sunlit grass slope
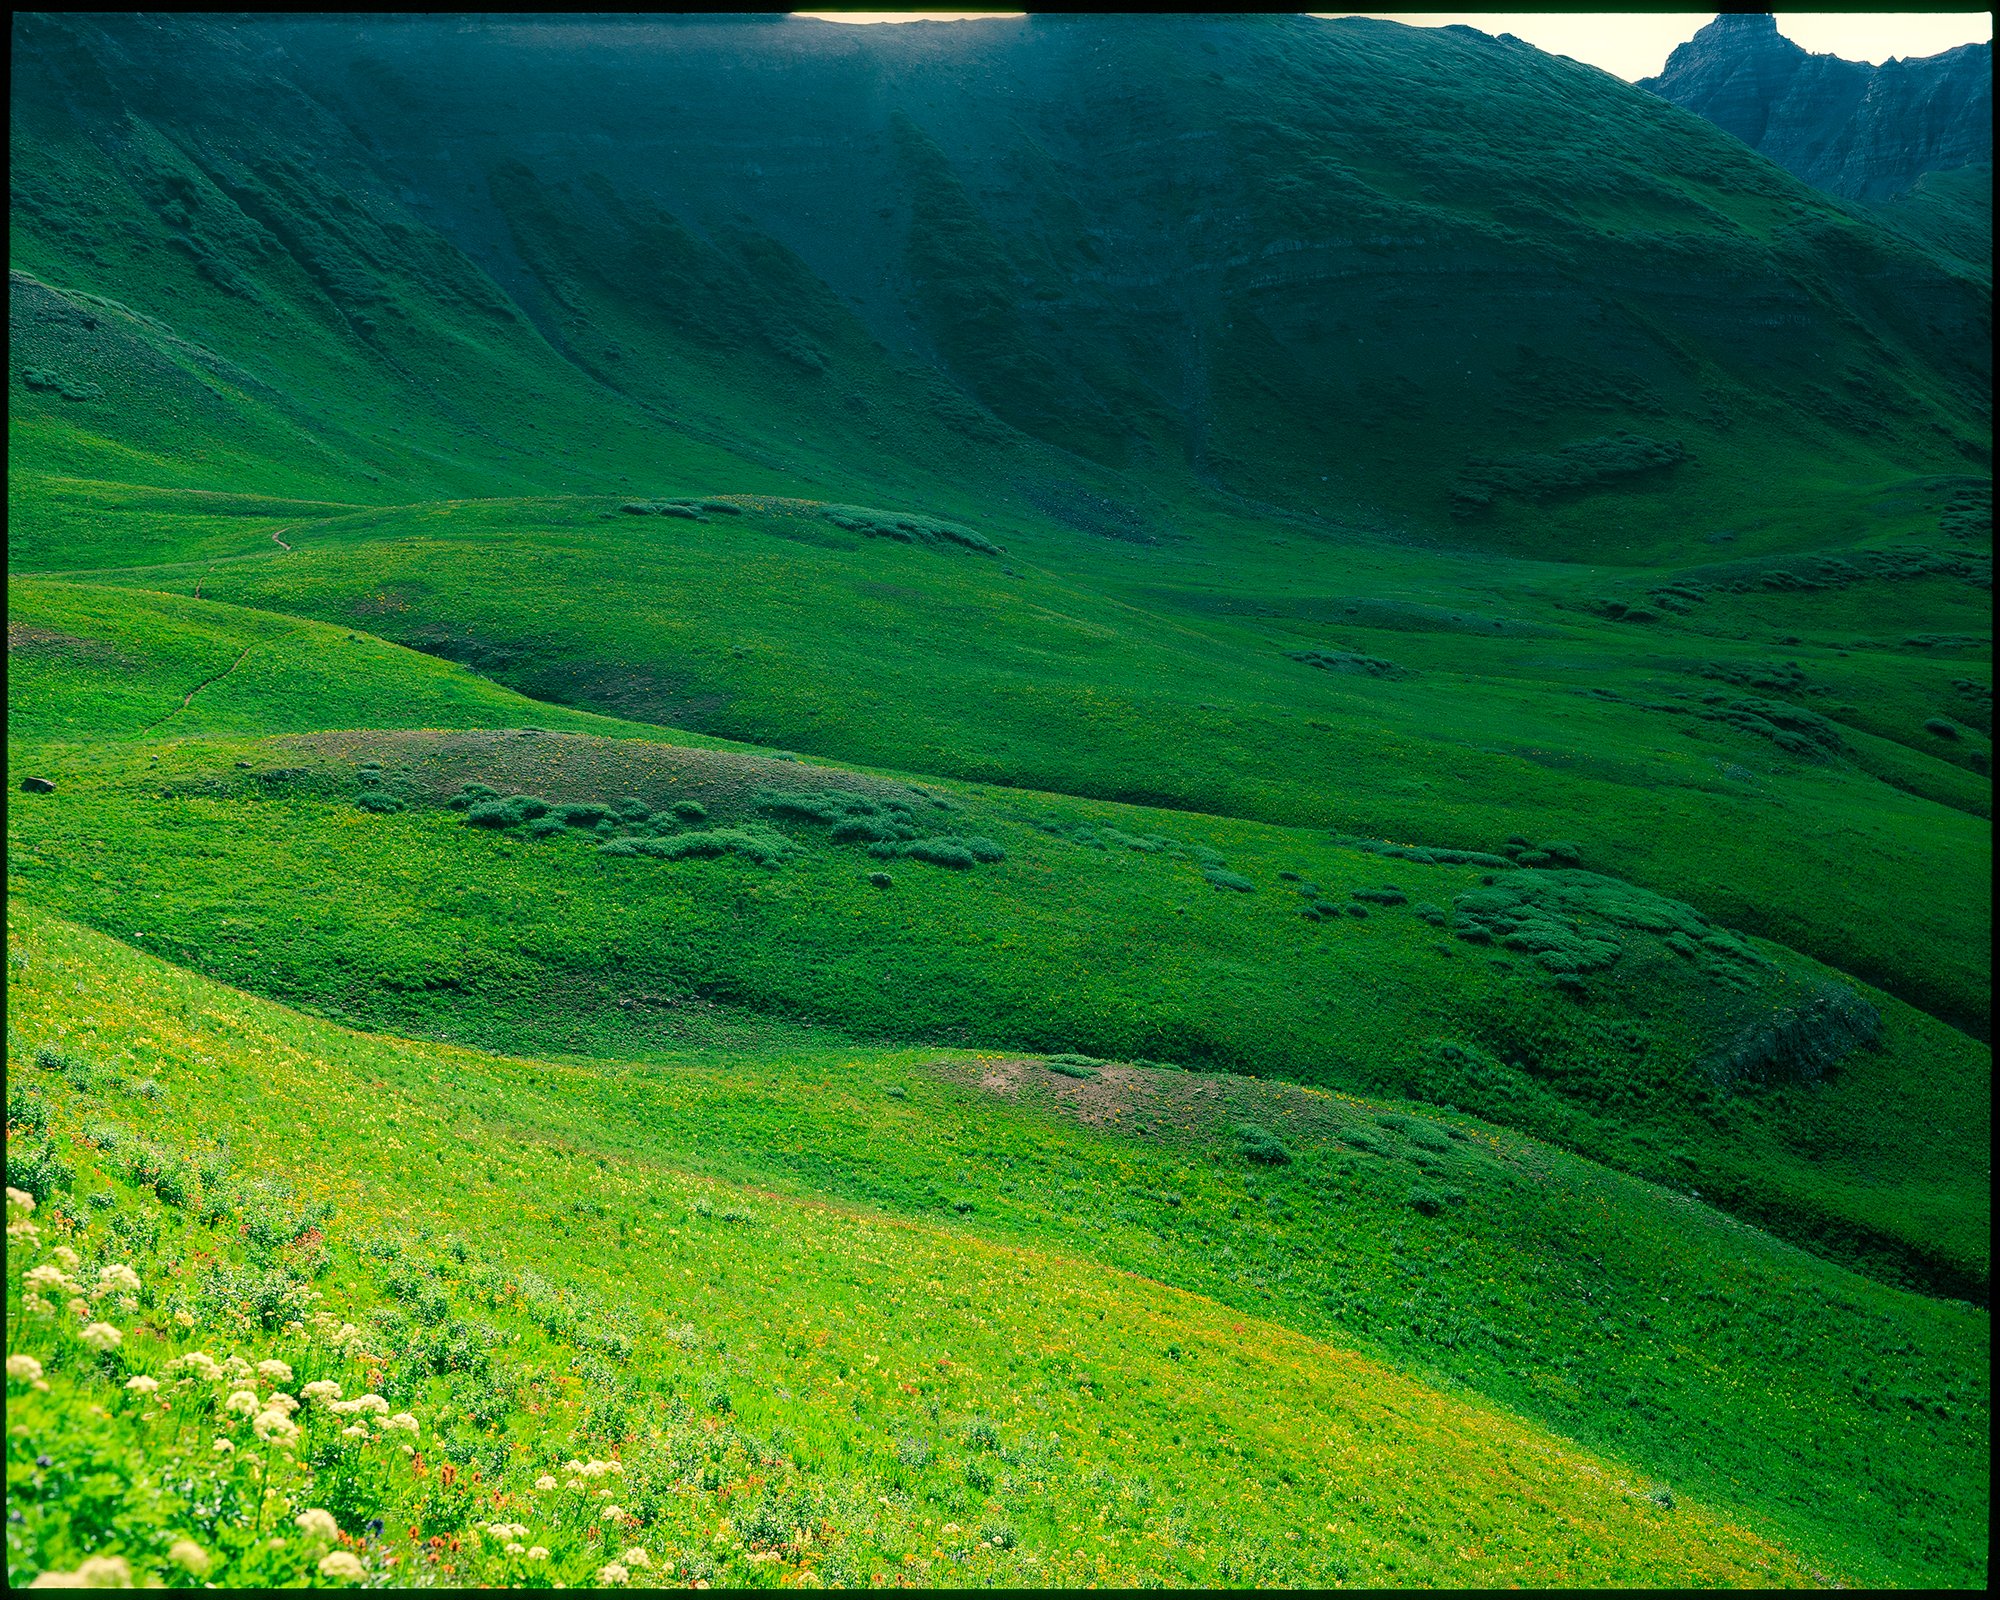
[[1732, 760], [932, 1378], [329, 870]]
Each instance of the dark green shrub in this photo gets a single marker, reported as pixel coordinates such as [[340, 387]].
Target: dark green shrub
[[1257, 1144], [816, 805], [762, 849], [942, 852], [1069, 1066], [1940, 727], [1361, 1139], [581, 813], [869, 830], [470, 794], [381, 804], [1223, 878], [1418, 1133], [620, 847], [27, 1112], [166, 1174], [1348, 661], [1387, 895], [545, 828], [630, 809], [39, 1172], [1799, 1043], [689, 810], [881, 880], [907, 529]]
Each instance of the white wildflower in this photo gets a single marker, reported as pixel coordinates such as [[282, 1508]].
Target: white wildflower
[[66, 1258], [35, 1304], [297, 1329], [636, 1557], [198, 1363], [274, 1424], [186, 1553], [25, 1231], [118, 1276], [611, 1513], [342, 1564], [222, 1447], [25, 1369], [611, 1572], [47, 1276], [354, 1432], [537, 1553], [21, 1199], [128, 1305], [184, 1318], [369, 1402], [545, 1483], [321, 1389], [79, 1308], [102, 1336], [141, 1384], [99, 1572], [237, 1367], [243, 1402], [281, 1402], [515, 1549], [315, 1523], [402, 1420], [274, 1371]]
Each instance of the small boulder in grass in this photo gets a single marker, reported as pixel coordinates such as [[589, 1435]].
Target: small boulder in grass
[[39, 785]]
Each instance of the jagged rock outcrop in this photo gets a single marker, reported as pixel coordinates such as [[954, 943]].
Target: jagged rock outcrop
[[1864, 132]]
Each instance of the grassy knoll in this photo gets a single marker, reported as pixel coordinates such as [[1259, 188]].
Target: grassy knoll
[[940, 1377], [358, 874], [1515, 694]]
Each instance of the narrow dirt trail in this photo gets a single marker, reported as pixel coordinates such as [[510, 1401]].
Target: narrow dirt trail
[[188, 699], [280, 543]]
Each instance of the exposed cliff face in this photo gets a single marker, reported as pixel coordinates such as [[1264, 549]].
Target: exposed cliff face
[[1861, 131]]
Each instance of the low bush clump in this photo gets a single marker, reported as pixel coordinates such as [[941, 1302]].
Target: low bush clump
[[381, 804], [1258, 1144], [509, 813], [907, 529], [1348, 661]]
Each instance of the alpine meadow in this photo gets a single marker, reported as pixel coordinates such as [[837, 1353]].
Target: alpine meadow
[[1061, 800]]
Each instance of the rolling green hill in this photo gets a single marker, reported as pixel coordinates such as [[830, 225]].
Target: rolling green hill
[[1193, 800]]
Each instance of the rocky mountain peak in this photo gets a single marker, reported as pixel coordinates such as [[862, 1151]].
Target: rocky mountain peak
[[1857, 130]]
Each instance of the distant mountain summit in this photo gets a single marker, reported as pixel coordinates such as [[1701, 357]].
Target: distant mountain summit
[[1864, 132]]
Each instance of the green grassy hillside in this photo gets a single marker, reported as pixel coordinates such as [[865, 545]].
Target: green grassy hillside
[[1201, 801], [825, 1387]]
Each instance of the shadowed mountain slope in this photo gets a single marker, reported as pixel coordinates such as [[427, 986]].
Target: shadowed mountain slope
[[1057, 244], [1862, 131]]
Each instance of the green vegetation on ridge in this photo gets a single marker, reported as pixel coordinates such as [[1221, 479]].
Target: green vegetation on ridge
[[1192, 802]]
